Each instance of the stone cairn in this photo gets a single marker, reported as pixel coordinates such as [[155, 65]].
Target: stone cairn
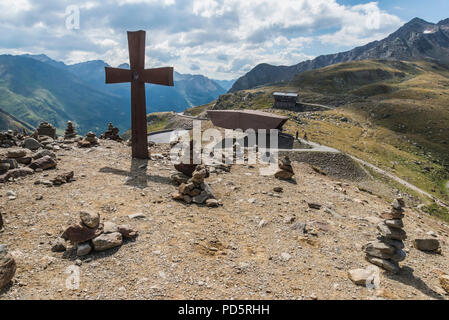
[[70, 132], [285, 171], [7, 140], [46, 129], [89, 234], [111, 134], [89, 140], [196, 190], [386, 252]]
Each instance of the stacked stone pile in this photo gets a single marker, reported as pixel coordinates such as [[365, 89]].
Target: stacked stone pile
[[70, 132], [386, 252], [196, 190], [111, 134], [7, 140], [89, 234], [285, 171], [89, 140], [46, 129], [17, 162]]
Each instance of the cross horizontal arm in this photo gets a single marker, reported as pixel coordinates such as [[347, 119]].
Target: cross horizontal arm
[[115, 75], [162, 76]]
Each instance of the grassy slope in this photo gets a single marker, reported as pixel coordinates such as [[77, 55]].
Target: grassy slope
[[392, 114], [8, 122], [34, 91]]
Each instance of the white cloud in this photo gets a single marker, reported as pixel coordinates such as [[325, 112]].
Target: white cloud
[[219, 38]]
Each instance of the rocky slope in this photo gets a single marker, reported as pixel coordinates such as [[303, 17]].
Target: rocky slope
[[416, 40], [270, 239]]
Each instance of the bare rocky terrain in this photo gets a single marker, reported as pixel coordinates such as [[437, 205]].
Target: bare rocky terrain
[[260, 244]]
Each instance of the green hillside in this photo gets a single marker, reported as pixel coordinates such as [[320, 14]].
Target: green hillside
[[9, 122], [33, 91]]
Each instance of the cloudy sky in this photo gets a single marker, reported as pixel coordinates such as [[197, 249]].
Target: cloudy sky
[[222, 39]]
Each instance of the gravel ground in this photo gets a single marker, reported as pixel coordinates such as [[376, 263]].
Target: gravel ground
[[253, 247]]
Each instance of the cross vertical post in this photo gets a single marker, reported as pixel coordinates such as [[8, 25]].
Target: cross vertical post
[[138, 76]]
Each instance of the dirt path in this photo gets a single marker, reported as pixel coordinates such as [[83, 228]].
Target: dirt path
[[401, 181], [317, 105]]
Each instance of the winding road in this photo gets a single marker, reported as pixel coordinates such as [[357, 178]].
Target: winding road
[[319, 147]]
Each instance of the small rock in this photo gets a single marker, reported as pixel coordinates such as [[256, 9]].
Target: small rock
[[315, 206], [107, 241], [127, 232], [90, 219], [83, 249], [444, 281], [212, 203], [110, 227], [383, 263], [137, 216], [426, 244], [360, 276], [391, 233], [285, 256], [7, 266], [262, 223], [58, 245]]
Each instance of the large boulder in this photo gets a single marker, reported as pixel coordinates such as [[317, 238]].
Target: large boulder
[[16, 173], [7, 266], [43, 153], [80, 233], [13, 164], [107, 241], [43, 163], [32, 144], [16, 153], [426, 244]]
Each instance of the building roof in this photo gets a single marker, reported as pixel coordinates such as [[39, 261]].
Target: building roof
[[246, 119], [285, 94]]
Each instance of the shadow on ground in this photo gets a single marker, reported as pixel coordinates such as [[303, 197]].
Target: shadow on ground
[[407, 277], [137, 176]]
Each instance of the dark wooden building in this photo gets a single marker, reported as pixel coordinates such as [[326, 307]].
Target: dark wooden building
[[283, 100]]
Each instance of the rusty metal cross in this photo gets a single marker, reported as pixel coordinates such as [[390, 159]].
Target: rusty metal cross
[[138, 76]]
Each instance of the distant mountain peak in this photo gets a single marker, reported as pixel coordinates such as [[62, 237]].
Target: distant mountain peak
[[415, 40], [124, 66], [444, 22]]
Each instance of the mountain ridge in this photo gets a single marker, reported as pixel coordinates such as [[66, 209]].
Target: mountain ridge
[[35, 93], [415, 40]]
